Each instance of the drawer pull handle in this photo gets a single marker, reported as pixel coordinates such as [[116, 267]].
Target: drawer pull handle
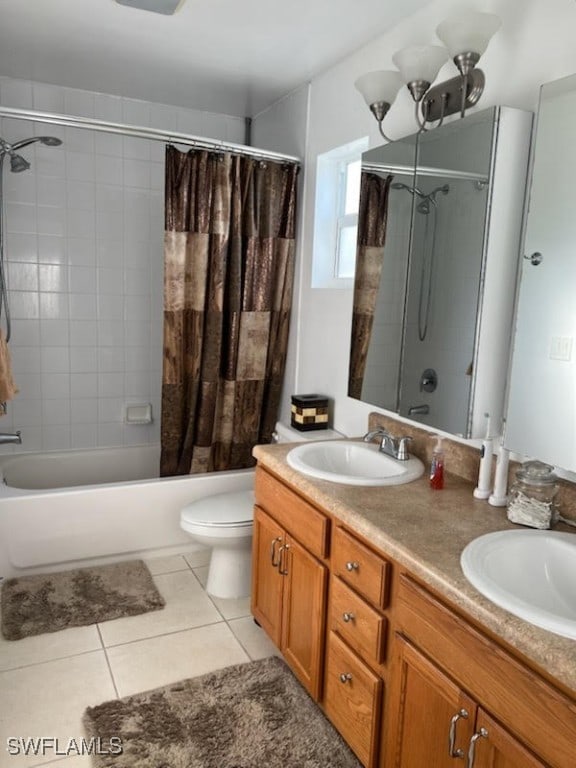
[[348, 617], [345, 677], [352, 565], [283, 565], [275, 541], [481, 734], [452, 734]]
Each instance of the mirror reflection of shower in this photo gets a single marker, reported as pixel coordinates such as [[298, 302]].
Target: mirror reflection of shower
[[427, 204], [18, 164]]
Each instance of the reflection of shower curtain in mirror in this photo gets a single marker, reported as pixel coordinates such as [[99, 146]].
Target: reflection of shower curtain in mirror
[[229, 266], [372, 219]]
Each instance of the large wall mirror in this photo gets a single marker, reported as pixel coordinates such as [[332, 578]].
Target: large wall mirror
[[438, 243], [541, 414]]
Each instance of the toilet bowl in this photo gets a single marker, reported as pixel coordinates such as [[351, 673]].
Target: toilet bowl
[[224, 522]]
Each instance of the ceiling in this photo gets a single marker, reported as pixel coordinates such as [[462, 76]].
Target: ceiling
[[222, 55]]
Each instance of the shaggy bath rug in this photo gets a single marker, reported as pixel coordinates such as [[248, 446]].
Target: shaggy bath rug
[[253, 715], [32, 605]]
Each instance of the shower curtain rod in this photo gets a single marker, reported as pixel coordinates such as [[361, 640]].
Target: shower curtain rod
[[141, 132], [423, 170]]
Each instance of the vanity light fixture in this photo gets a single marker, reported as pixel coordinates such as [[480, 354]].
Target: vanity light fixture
[[465, 37]]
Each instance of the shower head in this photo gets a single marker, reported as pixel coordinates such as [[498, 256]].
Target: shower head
[[49, 141], [18, 163], [412, 190]]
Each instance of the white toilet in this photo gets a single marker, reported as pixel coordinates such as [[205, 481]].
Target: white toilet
[[224, 523]]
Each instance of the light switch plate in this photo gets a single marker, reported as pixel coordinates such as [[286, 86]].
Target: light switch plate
[[561, 348]]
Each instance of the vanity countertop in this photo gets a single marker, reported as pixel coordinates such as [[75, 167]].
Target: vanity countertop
[[426, 531]]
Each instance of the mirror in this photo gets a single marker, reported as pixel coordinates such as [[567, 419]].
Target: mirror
[[424, 343], [541, 414]]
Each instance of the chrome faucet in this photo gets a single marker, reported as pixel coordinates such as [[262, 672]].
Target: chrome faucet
[[9, 437], [391, 446]]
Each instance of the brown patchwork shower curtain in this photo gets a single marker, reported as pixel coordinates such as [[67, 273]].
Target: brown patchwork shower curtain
[[372, 220], [229, 266]]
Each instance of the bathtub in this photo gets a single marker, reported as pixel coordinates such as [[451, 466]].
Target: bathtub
[[68, 509]]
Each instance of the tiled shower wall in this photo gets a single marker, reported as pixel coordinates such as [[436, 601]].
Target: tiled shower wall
[[83, 245]]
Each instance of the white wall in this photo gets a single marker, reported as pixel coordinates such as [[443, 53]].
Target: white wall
[[84, 250], [535, 45]]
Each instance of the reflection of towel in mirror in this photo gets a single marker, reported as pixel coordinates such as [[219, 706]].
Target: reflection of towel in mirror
[[7, 387]]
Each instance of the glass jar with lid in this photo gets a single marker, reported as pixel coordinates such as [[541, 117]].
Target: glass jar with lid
[[532, 496]]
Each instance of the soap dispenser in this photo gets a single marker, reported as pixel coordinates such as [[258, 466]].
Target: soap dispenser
[[437, 465]]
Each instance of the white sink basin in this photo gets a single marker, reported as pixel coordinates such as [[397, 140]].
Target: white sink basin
[[531, 573], [352, 463]]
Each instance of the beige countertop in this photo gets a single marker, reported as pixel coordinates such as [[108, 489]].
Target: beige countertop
[[426, 531]]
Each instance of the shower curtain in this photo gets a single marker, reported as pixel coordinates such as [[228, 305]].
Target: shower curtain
[[372, 221], [229, 267]]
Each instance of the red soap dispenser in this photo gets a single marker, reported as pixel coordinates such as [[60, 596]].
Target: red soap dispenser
[[437, 465]]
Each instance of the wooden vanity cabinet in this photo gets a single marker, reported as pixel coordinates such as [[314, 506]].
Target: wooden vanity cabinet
[[289, 579], [457, 695], [357, 643]]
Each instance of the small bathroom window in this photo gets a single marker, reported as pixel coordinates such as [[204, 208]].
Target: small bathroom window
[[336, 215]]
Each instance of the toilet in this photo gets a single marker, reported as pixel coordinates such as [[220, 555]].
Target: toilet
[[224, 523]]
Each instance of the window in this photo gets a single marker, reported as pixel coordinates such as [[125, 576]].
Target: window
[[336, 215]]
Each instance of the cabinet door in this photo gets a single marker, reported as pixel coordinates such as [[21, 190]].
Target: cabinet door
[[304, 611], [494, 747], [432, 720], [267, 582]]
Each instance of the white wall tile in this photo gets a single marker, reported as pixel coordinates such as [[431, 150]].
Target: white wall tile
[[83, 385], [84, 242], [108, 108], [51, 249], [55, 385], [84, 410], [55, 359], [79, 103], [16, 93], [54, 332], [22, 247], [48, 98]]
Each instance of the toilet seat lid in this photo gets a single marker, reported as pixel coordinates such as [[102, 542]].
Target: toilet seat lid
[[235, 508]]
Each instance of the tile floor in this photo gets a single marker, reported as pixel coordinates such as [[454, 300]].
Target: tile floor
[[46, 682]]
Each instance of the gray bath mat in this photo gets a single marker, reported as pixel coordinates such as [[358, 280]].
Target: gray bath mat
[[32, 605], [246, 716]]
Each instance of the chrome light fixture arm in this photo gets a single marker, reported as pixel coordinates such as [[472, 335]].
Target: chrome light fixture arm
[[380, 109]]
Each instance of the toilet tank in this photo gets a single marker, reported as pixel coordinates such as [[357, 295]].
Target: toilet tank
[[283, 433]]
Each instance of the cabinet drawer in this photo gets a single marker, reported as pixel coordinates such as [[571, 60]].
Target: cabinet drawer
[[295, 515], [357, 622], [361, 568], [352, 699], [542, 717]]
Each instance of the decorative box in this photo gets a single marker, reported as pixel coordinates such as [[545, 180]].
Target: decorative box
[[309, 412]]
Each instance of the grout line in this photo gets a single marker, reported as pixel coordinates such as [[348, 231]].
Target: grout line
[[49, 661], [108, 662], [164, 634]]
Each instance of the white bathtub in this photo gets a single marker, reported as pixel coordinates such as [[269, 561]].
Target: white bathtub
[[75, 508]]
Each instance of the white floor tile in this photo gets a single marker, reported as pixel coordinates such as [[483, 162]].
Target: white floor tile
[[202, 574], [48, 647], [198, 558], [187, 606], [232, 608], [254, 640], [163, 660], [158, 565], [49, 700]]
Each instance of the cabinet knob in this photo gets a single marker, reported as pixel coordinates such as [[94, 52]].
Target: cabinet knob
[[352, 565], [348, 617], [481, 734], [345, 677]]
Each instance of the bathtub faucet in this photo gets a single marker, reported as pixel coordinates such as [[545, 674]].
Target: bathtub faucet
[[8, 437]]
